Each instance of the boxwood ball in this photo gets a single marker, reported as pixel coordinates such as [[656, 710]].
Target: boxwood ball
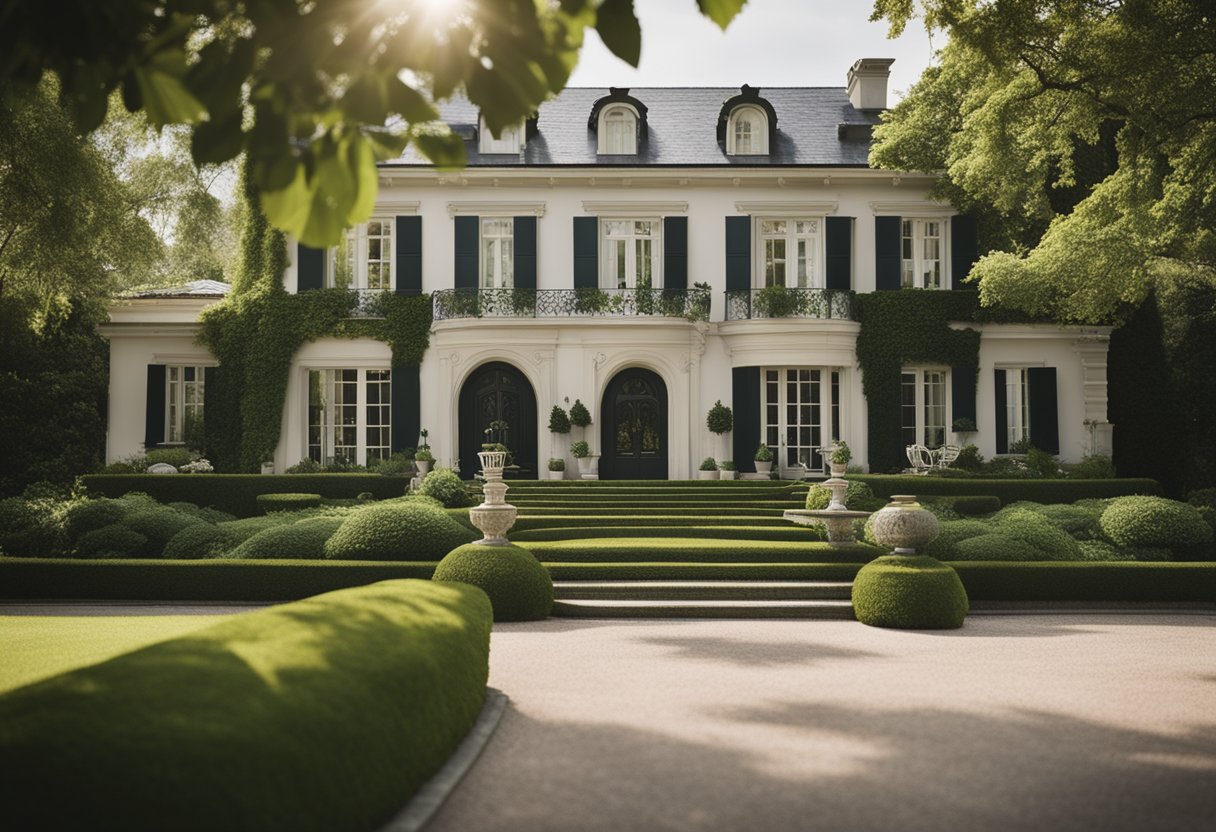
[[909, 593], [519, 585]]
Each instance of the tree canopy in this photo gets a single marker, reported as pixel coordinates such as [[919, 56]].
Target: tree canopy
[[314, 92], [1086, 128]]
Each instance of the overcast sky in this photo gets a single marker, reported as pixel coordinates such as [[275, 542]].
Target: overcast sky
[[779, 43]]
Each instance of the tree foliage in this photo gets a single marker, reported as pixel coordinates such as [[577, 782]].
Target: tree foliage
[[314, 93], [1085, 127]]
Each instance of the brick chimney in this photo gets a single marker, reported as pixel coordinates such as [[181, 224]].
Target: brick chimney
[[868, 83]]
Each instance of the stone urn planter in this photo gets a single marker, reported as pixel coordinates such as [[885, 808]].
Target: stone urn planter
[[589, 467], [764, 467], [727, 475], [707, 475], [904, 525], [423, 466], [838, 469], [557, 475]]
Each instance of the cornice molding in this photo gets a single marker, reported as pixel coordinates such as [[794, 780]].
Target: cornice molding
[[479, 207], [759, 208], [633, 207]]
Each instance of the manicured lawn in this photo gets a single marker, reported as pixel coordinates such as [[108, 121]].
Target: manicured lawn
[[37, 647]]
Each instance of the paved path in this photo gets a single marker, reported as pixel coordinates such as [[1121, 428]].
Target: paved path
[[1016, 722]]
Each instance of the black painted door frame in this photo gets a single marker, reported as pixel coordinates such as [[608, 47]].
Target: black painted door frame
[[634, 400], [497, 390]]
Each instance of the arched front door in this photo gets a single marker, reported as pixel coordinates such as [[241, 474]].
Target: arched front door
[[633, 430], [494, 394]]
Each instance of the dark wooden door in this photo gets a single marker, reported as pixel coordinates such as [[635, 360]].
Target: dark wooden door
[[633, 432], [496, 393]]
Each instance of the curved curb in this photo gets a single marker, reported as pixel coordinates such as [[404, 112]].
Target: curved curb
[[423, 806]]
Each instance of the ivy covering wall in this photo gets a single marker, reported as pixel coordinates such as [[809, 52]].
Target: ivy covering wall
[[259, 327]]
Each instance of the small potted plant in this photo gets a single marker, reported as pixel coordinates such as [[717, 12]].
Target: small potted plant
[[580, 416], [763, 459], [839, 458], [559, 422], [708, 469], [557, 468], [727, 470], [588, 463], [423, 458]]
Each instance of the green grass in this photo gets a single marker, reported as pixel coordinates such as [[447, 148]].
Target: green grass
[[37, 647], [1111, 581], [324, 714]]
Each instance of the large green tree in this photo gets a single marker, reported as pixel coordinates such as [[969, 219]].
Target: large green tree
[[314, 92], [1085, 128]]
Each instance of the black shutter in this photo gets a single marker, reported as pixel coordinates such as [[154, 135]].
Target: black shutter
[[525, 252], [406, 400], [675, 252], [1002, 420], [839, 244], [586, 252], [1044, 415], [887, 256], [154, 421], [962, 390], [467, 235], [310, 268], [409, 255], [745, 404], [964, 248], [738, 253]]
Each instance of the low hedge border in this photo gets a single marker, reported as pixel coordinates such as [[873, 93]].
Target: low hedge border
[[1115, 581], [240, 725], [237, 493], [1009, 491], [192, 580]]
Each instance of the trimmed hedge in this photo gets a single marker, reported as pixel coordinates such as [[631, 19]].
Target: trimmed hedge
[[237, 493], [400, 531], [1155, 522], [966, 506], [911, 593], [288, 501], [113, 541], [857, 497], [1007, 491], [519, 587], [158, 525], [325, 714], [299, 541], [993, 546], [445, 485], [201, 541], [1165, 582], [1035, 529], [950, 534], [86, 515]]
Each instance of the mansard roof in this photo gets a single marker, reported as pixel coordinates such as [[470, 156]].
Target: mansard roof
[[818, 127]]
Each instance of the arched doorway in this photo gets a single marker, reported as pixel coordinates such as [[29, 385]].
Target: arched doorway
[[496, 393], [633, 429]]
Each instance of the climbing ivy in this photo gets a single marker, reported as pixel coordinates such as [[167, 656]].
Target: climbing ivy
[[259, 327]]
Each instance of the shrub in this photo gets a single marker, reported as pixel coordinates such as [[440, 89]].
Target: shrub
[[708, 464], [158, 524], [857, 496], [1092, 467], [950, 533], [189, 508], [199, 541], [727, 465], [86, 515], [1100, 550], [397, 464], [214, 515], [994, 546], [1030, 527], [580, 416], [580, 449], [559, 421], [1008, 490], [445, 485], [519, 586], [1201, 497], [304, 540], [1042, 464], [30, 528], [1077, 522], [287, 501], [969, 459], [556, 464], [113, 541], [719, 420], [238, 531], [305, 466], [1154, 522], [177, 457], [1147, 554], [408, 531], [917, 593]]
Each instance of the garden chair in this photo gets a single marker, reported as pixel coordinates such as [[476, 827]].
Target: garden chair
[[946, 455], [920, 458]]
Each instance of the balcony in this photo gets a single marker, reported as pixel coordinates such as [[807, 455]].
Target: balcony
[[781, 302], [690, 304]]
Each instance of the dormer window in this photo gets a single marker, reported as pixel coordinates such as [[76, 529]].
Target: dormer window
[[618, 130], [510, 140], [747, 133]]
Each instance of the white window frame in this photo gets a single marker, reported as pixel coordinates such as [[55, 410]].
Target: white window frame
[[813, 460], [176, 406], [327, 446], [912, 272], [495, 272], [511, 140], [350, 263], [922, 426], [608, 252], [617, 139], [815, 254], [756, 121], [1017, 404]]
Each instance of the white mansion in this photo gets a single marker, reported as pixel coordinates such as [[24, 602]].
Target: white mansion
[[648, 252]]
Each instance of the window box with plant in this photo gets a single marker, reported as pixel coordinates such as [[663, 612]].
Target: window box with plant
[[727, 470], [708, 469], [763, 459]]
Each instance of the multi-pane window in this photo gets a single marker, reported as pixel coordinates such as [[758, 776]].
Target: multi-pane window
[[510, 140], [497, 253], [184, 408], [618, 131], [800, 407], [630, 254], [922, 407], [1017, 406], [364, 258], [748, 132], [790, 253], [921, 265], [349, 415]]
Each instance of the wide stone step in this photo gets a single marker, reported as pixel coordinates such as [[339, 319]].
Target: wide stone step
[[692, 529], [581, 519], [676, 506], [694, 550], [703, 590], [822, 610], [742, 510]]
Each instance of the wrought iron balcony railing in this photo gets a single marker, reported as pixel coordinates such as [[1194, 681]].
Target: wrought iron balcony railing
[[780, 302], [690, 304]]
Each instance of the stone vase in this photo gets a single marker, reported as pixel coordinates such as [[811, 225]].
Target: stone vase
[[764, 467], [557, 475], [838, 470], [423, 466], [707, 475], [727, 475], [904, 525]]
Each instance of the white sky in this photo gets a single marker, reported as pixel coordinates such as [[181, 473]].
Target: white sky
[[777, 43]]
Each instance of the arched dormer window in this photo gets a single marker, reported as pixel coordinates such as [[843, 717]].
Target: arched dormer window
[[747, 133], [618, 130]]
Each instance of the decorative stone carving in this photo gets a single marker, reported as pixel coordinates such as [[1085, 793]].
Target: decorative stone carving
[[495, 516], [904, 525], [161, 468]]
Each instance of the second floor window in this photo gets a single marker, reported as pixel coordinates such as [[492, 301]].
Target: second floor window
[[789, 252], [497, 253], [921, 264], [184, 411], [364, 259], [630, 254]]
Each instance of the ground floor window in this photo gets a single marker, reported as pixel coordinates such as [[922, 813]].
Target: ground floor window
[[1017, 409], [923, 407], [349, 415], [184, 409], [801, 414]]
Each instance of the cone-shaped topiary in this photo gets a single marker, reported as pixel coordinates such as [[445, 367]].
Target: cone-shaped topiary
[[559, 422], [519, 585], [580, 416], [401, 531], [909, 593]]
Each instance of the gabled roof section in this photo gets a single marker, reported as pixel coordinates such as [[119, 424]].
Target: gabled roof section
[[617, 95], [747, 95], [193, 289]]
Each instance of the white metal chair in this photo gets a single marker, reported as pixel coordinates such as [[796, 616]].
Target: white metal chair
[[946, 455], [920, 458]]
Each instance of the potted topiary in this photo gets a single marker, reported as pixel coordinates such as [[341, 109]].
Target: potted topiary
[[557, 468], [580, 417], [559, 422], [763, 459], [727, 470], [588, 463], [839, 458], [720, 420], [423, 458], [708, 469]]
